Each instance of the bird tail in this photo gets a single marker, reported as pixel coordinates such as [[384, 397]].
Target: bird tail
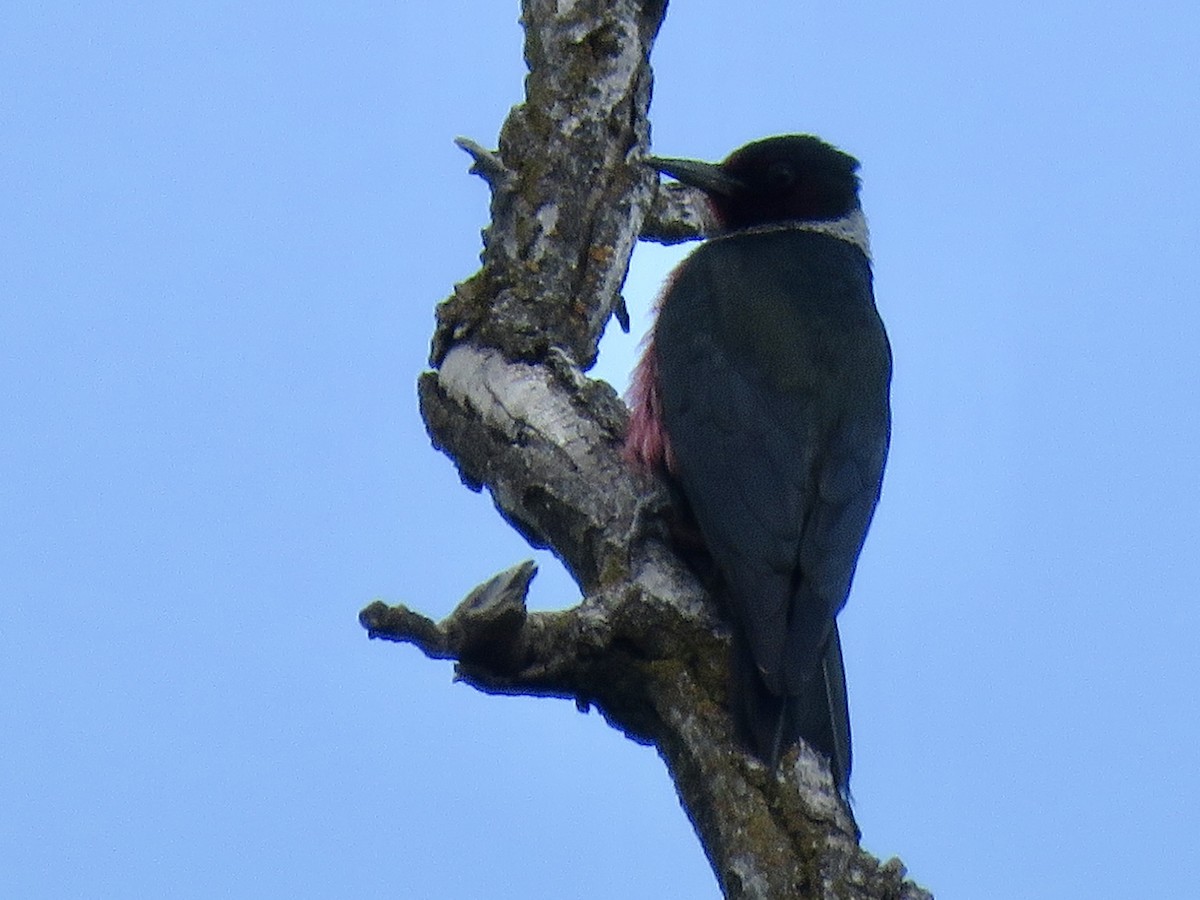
[[817, 713]]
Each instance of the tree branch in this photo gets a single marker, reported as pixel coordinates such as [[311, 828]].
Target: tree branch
[[508, 402]]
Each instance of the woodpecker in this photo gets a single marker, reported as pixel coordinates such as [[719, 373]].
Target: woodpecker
[[762, 398]]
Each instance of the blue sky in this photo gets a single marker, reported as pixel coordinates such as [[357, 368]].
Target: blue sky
[[223, 230]]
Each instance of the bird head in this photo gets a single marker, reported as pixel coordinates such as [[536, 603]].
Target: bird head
[[790, 178]]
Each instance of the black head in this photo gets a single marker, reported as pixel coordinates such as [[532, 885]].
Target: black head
[[794, 177]]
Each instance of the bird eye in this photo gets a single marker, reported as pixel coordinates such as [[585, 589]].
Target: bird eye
[[780, 176]]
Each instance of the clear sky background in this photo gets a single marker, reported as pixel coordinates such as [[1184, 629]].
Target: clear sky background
[[223, 228]]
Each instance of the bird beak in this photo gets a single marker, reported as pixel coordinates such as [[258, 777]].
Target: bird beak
[[710, 178]]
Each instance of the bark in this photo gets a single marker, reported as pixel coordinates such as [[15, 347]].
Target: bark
[[507, 400]]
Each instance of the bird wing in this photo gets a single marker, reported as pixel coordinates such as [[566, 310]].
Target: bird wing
[[774, 372]]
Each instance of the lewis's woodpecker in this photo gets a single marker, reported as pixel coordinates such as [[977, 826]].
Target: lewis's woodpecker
[[762, 397]]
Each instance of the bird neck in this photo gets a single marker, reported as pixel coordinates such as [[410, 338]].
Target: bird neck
[[851, 228]]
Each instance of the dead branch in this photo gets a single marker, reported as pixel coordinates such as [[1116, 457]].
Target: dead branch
[[508, 402]]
